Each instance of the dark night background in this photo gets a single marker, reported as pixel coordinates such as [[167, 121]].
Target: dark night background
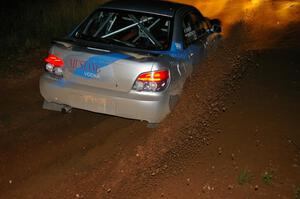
[[31, 24]]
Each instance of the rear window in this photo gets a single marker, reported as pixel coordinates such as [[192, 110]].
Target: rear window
[[130, 29]]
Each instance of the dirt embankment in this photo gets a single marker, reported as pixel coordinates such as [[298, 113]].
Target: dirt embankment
[[255, 153]]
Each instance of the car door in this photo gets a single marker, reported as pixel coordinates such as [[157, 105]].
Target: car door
[[195, 33]]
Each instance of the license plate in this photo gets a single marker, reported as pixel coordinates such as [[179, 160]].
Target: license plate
[[94, 100]]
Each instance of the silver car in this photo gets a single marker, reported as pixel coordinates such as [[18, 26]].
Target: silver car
[[127, 59]]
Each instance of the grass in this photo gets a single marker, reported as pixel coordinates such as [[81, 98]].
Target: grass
[[267, 177], [244, 177], [32, 24], [297, 195]]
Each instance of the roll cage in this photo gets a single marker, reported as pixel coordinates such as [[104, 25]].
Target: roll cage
[[131, 29]]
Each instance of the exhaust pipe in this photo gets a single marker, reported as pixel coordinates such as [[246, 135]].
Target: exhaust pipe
[[66, 109], [57, 107]]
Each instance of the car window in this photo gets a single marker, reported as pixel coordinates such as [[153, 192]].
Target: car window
[[131, 29], [194, 28]]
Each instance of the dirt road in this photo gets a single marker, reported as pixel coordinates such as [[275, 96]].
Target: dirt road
[[234, 134], [253, 150]]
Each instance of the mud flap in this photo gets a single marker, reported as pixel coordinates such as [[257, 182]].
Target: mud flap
[[152, 125], [173, 101]]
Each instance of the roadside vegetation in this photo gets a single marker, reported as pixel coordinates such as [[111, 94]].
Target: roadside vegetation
[[267, 177], [244, 177], [30, 24], [297, 192]]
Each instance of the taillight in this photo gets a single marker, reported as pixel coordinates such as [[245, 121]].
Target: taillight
[[152, 81], [54, 65], [54, 60]]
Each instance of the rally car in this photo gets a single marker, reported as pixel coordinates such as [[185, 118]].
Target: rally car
[[127, 59]]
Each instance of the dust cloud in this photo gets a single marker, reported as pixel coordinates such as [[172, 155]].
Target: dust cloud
[[262, 18]]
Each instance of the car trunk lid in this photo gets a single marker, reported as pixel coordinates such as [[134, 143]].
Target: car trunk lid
[[102, 68]]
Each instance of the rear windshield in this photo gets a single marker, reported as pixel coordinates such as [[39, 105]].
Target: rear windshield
[[131, 29]]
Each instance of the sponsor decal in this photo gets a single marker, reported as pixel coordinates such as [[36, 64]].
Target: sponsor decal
[[87, 68], [95, 65]]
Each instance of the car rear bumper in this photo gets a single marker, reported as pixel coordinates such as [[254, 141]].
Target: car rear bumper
[[151, 108]]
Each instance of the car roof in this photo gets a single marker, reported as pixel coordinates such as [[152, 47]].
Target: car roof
[[165, 8]]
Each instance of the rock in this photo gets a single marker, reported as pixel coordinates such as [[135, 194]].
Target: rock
[[188, 181], [220, 151], [232, 156], [10, 181], [230, 187], [108, 190], [256, 187], [210, 188]]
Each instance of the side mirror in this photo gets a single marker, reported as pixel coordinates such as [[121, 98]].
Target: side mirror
[[216, 25]]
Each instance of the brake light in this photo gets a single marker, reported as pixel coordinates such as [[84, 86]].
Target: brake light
[[152, 81], [155, 76], [54, 60], [54, 65]]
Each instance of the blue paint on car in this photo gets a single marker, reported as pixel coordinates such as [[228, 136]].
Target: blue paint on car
[[91, 67], [179, 52]]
